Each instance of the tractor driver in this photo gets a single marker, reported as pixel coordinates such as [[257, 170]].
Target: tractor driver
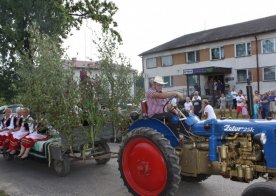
[[157, 99]]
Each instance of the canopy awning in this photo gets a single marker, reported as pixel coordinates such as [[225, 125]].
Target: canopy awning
[[207, 70]]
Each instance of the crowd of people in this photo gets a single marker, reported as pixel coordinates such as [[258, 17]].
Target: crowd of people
[[19, 131], [264, 106], [233, 104]]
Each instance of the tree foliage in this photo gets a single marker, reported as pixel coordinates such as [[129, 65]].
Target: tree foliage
[[115, 81], [53, 17], [46, 86]]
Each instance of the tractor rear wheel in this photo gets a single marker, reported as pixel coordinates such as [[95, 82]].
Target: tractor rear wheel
[[62, 167], [260, 189], [148, 163]]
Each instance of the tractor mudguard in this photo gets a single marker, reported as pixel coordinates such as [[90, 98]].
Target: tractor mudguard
[[158, 126]]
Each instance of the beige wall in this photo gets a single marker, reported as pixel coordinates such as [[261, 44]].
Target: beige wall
[[254, 74], [204, 54], [229, 51], [179, 58], [158, 62], [180, 80]]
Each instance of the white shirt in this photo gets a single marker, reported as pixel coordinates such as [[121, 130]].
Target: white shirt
[[198, 98], [240, 100], [188, 106], [211, 113], [234, 93]]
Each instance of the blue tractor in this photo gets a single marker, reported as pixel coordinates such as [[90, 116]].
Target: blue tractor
[[152, 159]]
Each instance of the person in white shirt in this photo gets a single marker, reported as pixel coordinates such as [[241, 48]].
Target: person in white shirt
[[188, 105], [209, 112], [196, 96], [240, 99]]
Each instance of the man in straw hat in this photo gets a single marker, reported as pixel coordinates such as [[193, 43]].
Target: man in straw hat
[[157, 99]]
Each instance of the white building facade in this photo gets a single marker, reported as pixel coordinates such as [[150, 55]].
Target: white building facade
[[231, 54]]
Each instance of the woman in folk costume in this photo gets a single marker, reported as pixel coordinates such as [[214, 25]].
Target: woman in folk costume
[[4, 137], [7, 125], [27, 142], [26, 128]]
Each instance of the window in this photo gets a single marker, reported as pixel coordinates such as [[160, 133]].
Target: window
[[269, 73], [217, 53], [243, 74], [169, 80], [243, 49], [151, 63], [192, 57], [166, 61], [268, 46]]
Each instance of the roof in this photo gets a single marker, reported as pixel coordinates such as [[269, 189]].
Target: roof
[[249, 28], [85, 64]]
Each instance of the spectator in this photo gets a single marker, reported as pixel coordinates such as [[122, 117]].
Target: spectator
[[209, 112], [197, 106], [256, 109], [215, 86], [244, 109], [257, 97], [272, 105], [229, 103], [220, 87], [222, 105], [196, 96], [207, 87], [265, 105], [234, 94], [188, 105], [240, 98]]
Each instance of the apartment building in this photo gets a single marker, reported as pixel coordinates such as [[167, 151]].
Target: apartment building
[[232, 54], [91, 69]]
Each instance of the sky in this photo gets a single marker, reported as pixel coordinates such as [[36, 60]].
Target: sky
[[145, 24]]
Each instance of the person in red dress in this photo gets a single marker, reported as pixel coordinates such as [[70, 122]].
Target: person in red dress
[[26, 128], [7, 125], [27, 142]]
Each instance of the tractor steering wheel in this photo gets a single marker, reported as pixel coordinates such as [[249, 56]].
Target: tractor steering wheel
[[172, 101]]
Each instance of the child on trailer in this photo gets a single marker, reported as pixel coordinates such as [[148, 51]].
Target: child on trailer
[[244, 109]]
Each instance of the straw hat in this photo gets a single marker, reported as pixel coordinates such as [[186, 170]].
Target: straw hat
[[159, 80]]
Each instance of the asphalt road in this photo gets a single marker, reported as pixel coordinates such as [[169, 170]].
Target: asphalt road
[[35, 178]]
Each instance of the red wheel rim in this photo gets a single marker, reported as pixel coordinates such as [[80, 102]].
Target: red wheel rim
[[144, 167]]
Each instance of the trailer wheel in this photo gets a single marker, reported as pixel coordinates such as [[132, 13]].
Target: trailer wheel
[[61, 167], [199, 178], [148, 163], [260, 189], [103, 149]]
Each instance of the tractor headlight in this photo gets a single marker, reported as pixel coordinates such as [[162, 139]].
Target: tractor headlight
[[260, 138], [134, 115]]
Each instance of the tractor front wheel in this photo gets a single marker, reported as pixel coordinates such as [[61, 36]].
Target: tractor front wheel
[[260, 189], [148, 163]]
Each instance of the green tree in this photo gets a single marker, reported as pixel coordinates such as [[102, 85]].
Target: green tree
[[115, 81], [139, 91], [53, 17], [46, 87]]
